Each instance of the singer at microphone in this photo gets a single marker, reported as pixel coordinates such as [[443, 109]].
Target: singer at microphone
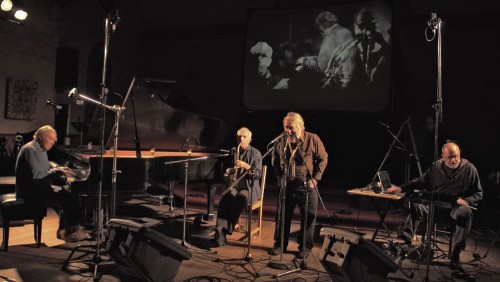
[[300, 162], [243, 186]]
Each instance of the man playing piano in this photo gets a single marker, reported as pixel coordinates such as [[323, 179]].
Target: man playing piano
[[453, 176], [232, 203], [35, 178]]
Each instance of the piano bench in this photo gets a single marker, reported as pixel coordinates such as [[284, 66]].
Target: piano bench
[[16, 209]]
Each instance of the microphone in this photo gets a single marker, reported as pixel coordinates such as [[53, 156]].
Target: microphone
[[277, 138], [432, 23], [286, 143], [184, 144], [72, 93], [384, 125], [56, 106]]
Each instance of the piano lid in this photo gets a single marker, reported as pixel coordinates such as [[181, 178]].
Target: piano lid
[[160, 125]]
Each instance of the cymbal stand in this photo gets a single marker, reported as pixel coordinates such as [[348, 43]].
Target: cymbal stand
[[248, 256], [186, 172]]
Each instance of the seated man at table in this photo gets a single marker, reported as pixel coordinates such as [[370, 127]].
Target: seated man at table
[[453, 176]]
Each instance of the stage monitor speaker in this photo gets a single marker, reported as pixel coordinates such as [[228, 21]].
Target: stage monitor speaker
[[144, 253], [349, 257]]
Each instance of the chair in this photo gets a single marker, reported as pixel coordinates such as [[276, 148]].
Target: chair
[[259, 204], [13, 208]]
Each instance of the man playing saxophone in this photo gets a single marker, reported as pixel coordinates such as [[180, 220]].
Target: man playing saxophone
[[247, 160]]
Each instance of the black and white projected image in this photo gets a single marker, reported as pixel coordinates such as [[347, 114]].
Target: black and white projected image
[[329, 58]]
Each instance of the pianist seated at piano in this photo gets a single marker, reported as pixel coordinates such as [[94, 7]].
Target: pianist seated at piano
[[36, 181], [455, 177], [237, 196]]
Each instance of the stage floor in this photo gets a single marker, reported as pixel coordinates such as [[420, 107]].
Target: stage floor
[[25, 262]]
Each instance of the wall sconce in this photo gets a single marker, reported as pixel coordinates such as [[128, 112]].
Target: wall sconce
[[13, 11]]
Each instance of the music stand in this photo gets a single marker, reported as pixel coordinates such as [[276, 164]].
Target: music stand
[[186, 172]]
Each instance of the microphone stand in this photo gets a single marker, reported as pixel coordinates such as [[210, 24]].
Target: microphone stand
[[303, 264], [434, 24], [281, 207], [110, 25]]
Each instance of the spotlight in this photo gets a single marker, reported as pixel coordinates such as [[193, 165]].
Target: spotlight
[[21, 15], [13, 11], [6, 5]]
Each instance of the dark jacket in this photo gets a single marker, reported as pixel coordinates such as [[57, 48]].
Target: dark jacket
[[315, 158], [462, 182]]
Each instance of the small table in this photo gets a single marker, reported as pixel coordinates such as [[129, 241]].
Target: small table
[[367, 192]]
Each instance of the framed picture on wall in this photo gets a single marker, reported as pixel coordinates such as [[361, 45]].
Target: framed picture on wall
[[335, 57], [21, 99]]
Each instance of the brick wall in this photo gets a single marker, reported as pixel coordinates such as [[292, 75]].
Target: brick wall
[[28, 51]]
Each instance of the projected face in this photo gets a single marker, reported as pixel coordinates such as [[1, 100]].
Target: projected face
[[264, 54]]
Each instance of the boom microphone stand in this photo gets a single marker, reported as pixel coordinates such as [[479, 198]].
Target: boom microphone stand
[[110, 25], [281, 203], [434, 25]]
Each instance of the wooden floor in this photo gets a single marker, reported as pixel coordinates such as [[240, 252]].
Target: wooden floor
[[25, 262]]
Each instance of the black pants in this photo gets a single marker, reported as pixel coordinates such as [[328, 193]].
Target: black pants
[[296, 195], [461, 215], [230, 208], [69, 214]]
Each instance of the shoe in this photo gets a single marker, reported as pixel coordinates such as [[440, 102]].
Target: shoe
[[220, 237], [276, 250], [77, 236], [455, 261], [303, 255], [60, 234]]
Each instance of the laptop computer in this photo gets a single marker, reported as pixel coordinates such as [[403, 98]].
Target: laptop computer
[[383, 176]]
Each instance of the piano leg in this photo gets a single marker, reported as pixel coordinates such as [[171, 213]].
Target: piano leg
[[212, 188]]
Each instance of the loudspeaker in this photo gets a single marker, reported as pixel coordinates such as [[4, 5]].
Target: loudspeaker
[[144, 253], [349, 257]]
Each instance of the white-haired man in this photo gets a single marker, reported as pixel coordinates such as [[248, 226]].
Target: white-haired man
[[34, 178]]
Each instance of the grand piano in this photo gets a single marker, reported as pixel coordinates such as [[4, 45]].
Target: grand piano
[[159, 133]]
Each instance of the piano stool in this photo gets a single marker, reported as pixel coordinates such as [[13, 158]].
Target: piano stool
[[16, 209]]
